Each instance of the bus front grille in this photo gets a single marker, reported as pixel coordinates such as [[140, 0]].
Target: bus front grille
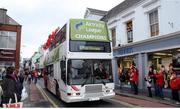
[[93, 89]]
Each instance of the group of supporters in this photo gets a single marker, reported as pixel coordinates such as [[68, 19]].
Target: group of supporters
[[11, 85], [158, 80]]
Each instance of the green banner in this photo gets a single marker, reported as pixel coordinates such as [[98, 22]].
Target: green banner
[[88, 30]]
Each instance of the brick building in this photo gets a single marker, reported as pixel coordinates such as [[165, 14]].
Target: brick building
[[10, 40]]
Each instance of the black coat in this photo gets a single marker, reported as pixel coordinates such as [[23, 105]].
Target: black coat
[[10, 86]]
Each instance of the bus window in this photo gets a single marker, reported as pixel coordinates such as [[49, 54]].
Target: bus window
[[89, 46], [81, 72], [63, 70], [51, 70]]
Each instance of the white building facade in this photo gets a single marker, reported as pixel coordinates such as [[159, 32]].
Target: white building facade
[[165, 12], [94, 14], [146, 32]]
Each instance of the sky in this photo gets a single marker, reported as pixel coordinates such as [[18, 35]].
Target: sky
[[40, 17]]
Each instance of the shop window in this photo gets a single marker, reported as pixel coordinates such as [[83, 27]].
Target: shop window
[[129, 29], [113, 33], [8, 39], [124, 66], [50, 70], [154, 23]]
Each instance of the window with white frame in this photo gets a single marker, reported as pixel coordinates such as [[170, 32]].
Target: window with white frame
[[154, 23], [8, 39], [113, 33], [129, 29]]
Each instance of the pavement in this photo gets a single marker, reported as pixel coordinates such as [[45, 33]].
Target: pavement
[[144, 101], [38, 98], [35, 97]]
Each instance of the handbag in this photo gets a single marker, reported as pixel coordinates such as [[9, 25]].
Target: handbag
[[13, 105]]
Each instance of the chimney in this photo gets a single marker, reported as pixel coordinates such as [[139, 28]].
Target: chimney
[[3, 15]]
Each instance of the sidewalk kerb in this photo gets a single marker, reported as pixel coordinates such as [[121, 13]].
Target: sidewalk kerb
[[45, 95], [142, 98]]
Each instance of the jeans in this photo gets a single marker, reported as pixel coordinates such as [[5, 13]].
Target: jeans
[[135, 86], [156, 90], [149, 91], [35, 80], [160, 91], [132, 87], [175, 94]]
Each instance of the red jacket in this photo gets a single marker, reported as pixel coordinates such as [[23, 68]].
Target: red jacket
[[159, 79], [175, 83], [134, 75]]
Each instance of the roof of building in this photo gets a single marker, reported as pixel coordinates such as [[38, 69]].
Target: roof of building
[[6, 19], [96, 11], [119, 8], [11, 21]]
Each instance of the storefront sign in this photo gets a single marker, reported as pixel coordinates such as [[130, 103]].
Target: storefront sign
[[88, 30], [7, 55], [124, 51]]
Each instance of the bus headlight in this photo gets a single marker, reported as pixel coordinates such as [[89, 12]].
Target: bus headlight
[[109, 91], [73, 94]]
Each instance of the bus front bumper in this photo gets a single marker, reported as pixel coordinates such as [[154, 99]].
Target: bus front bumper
[[89, 97]]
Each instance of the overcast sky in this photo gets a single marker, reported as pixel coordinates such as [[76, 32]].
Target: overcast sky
[[40, 17]]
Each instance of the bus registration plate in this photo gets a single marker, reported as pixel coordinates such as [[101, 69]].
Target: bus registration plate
[[94, 99]]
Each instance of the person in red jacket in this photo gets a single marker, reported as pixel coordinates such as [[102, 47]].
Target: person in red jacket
[[160, 82], [175, 85], [134, 78]]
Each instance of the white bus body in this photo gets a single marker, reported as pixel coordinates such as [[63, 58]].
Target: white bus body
[[81, 69]]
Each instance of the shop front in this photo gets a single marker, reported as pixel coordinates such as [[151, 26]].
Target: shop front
[[156, 51]]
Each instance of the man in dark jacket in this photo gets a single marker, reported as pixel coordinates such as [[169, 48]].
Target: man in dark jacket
[[9, 87]]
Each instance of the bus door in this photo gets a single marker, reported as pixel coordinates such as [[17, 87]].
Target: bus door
[[51, 82], [63, 75]]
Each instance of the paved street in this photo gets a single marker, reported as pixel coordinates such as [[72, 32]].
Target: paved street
[[55, 102], [40, 97]]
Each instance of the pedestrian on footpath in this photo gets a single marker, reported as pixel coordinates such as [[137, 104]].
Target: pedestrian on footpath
[[9, 87], [168, 75], [160, 82], [155, 84], [26, 74], [1, 93], [148, 80], [121, 76], [175, 86], [35, 76], [18, 83], [29, 78], [134, 77]]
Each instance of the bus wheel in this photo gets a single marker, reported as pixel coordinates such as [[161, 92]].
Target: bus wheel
[[58, 92]]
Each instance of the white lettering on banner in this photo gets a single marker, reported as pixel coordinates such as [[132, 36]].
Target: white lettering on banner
[[93, 30], [90, 37], [91, 24]]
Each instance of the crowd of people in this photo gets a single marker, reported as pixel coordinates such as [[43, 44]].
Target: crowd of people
[[156, 79], [12, 84]]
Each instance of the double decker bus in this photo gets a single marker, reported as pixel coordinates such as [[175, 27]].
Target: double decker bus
[[78, 62]]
